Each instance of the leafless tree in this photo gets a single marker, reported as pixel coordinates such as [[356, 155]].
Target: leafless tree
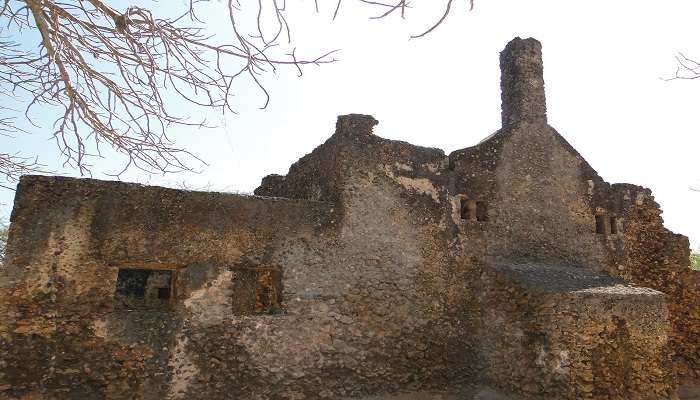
[[12, 166], [687, 69], [112, 75]]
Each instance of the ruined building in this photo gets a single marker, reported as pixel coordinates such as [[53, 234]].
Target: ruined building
[[373, 268]]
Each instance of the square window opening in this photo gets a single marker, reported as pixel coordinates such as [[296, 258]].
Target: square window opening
[[467, 209], [257, 291], [144, 289]]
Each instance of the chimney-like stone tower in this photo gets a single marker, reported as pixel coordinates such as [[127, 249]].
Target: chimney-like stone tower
[[522, 82]]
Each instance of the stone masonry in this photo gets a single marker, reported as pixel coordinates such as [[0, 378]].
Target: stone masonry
[[374, 269]]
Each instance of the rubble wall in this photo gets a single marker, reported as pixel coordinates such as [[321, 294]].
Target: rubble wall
[[543, 209], [374, 266], [577, 335], [367, 300], [653, 256]]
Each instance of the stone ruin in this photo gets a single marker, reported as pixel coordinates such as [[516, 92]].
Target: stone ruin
[[373, 269]]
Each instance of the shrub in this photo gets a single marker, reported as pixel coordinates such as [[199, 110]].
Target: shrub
[[695, 261]]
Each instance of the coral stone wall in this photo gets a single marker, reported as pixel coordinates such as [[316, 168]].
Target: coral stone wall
[[543, 207], [391, 287], [578, 335], [367, 302], [372, 267], [655, 257]]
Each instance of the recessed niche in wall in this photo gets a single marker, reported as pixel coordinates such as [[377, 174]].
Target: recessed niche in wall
[[613, 225], [142, 289], [467, 209], [257, 291], [481, 211], [164, 293], [600, 224]]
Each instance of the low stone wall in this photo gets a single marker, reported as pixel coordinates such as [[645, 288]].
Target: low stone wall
[[258, 298], [569, 333], [647, 254]]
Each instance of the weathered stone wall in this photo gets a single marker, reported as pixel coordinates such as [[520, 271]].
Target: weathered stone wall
[[541, 207], [522, 83], [543, 203], [648, 254], [542, 199], [366, 306], [374, 266], [68, 239], [321, 174], [383, 182], [543, 210], [578, 335]]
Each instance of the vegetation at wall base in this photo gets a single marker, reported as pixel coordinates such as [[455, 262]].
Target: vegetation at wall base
[[695, 261]]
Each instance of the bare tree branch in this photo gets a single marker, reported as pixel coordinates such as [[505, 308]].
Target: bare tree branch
[[12, 166], [115, 77], [687, 68]]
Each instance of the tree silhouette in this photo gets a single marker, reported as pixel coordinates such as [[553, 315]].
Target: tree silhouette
[[112, 76]]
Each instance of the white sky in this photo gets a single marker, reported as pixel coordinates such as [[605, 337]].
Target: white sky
[[603, 62]]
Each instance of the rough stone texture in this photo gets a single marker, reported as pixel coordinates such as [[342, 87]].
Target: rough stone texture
[[586, 336], [374, 269], [522, 82]]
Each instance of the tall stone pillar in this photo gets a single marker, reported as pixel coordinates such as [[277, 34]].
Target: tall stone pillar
[[522, 82]]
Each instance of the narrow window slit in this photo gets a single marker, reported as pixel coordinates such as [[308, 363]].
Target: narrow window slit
[[481, 211], [613, 225], [600, 224]]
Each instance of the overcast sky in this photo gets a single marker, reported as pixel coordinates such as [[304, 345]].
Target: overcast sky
[[603, 67]]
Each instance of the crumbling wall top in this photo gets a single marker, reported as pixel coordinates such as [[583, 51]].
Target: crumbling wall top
[[355, 124]]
